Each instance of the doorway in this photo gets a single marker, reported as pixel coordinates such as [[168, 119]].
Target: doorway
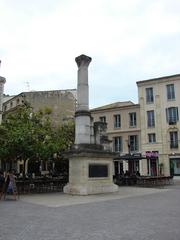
[[174, 166]]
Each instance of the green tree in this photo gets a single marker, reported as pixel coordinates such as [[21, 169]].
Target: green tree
[[27, 135]]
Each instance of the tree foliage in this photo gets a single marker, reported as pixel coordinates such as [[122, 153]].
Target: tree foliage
[[27, 135]]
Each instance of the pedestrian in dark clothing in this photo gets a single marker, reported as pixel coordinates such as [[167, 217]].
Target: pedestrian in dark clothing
[[10, 185]]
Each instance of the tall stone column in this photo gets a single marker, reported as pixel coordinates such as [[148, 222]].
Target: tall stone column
[[2, 82], [90, 166], [82, 115]]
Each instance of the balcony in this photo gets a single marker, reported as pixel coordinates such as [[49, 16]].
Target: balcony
[[174, 144], [172, 122]]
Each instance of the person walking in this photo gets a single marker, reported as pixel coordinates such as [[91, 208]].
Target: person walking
[[10, 185]]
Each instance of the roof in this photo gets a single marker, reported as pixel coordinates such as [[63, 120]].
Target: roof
[[130, 157], [165, 78], [115, 105], [7, 98], [73, 91]]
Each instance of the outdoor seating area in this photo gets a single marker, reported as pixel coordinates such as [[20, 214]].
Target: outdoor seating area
[[153, 181], [56, 184], [144, 181], [40, 185]]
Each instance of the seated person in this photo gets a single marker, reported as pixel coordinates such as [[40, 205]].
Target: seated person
[[138, 174], [127, 173]]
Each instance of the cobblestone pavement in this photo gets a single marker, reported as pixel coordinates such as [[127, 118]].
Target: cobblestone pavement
[[148, 215]]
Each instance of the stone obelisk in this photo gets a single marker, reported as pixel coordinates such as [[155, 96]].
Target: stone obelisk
[[2, 82], [90, 166]]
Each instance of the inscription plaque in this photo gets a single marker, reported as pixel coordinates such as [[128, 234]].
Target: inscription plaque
[[98, 170]]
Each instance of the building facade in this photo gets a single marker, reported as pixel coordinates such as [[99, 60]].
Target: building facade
[[150, 128], [123, 130], [159, 102], [62, 103]]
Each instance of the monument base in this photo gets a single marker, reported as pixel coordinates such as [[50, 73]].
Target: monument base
[[90, 172], [89, 189]]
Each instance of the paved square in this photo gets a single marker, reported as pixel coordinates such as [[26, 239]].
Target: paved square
[[132, 214]]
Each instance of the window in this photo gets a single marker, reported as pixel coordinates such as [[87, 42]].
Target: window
[[133, 143], [102, 119], [117, 144], [17, 101], [150, 118], [149, 95], [173, 139], [132, 119], [172, 115], [170, 91], [151, 137], [117, 121]]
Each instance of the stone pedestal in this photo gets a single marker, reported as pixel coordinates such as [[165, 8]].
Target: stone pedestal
[[90, 172]]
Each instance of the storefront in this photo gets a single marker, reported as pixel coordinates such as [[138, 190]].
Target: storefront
[[131, 159], [174, 165], [118, 167], [152, 163]]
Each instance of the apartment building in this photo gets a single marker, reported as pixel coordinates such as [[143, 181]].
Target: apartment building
[[123, 130], [159, 102], [150, 128]]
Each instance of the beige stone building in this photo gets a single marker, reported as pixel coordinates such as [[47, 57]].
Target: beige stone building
[[151, 128], [123, 129], [159, 101], [61, 102]]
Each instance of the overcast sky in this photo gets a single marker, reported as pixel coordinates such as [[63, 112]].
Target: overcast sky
[[128, 40]]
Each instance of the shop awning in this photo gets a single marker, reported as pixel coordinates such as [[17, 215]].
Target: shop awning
[[130, 157]]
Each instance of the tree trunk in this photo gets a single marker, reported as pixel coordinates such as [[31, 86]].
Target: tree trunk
[[24, 168]]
